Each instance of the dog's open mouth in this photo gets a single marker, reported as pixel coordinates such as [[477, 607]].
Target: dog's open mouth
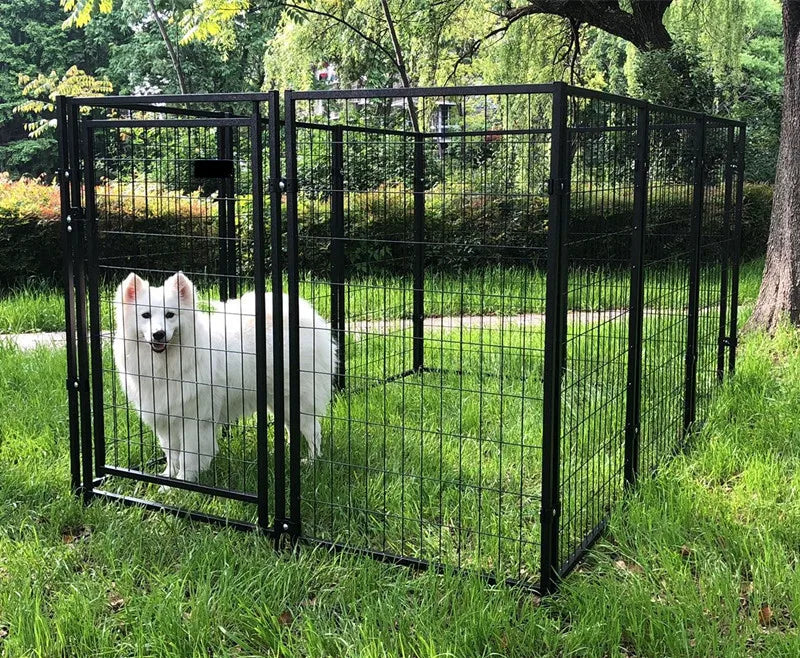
[[158, 347]]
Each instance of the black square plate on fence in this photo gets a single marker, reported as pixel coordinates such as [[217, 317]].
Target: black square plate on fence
[[212, 169]]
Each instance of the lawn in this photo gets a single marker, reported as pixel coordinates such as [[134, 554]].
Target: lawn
[[699, 560], [38, 307]]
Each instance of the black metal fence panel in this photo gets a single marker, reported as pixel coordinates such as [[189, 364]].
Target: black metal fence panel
[[442, 327]]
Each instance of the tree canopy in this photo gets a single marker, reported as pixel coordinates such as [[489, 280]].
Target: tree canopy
[[724, 56]]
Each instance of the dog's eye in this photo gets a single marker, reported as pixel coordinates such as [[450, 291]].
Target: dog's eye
[[169, 315], [146, 315]]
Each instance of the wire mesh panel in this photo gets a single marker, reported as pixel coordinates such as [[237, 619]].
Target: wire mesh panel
[[497, 306], [175, 252], [719, 164], [667, 261], [601, 152], [422, 222]]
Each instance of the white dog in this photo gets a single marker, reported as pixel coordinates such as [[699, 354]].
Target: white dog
[[188, 372]]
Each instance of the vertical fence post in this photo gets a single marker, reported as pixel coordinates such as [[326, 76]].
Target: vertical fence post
[[725, 253], [292, 239], [227, 219], [418, 311], [695, 234], [337, 252], [67, 235], [95, 328], [278, 364], [736, 246], [222, 224], [558, 187], [636, 302], [79, 246], [259, 254]]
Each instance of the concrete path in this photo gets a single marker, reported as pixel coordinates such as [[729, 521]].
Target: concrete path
[[57, 339], [359, 329]]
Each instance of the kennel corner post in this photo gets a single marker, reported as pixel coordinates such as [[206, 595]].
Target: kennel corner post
[[636, 300], [556, 298], [695, 252], [337, 253], [259, 253], [723, 339], [292, 238], [418, 266], [227, 218], [276, 187], [76, 227], [95, 324], [736, 245], [65, 174]]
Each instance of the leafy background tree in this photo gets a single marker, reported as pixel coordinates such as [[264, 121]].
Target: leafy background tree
[[726, 55]]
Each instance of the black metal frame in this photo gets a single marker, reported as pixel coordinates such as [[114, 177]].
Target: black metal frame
[[572, 125]]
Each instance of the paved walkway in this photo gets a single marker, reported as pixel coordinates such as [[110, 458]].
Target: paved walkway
[[359, 329], [56, 339]]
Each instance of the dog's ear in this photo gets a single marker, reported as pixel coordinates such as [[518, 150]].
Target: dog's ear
[[183, 285], [132, 286]]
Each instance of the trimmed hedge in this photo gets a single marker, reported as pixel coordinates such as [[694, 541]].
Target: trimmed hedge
[[465, 231]]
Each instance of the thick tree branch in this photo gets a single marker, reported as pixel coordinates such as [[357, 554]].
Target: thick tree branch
[[349, 26], [400, 64], [643, 26], [173, 55]]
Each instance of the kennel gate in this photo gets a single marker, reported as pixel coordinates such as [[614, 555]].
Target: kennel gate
[[533, 290]]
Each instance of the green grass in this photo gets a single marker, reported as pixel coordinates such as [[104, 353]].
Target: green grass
[[492, 291], [699, 561], [36, 307]]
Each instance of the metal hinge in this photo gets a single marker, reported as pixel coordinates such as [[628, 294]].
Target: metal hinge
[[76, 385], [74, 215], [556, 185], [549, 514]]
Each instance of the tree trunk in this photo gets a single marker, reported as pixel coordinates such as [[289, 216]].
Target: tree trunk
[[173, 54], [779, 296]]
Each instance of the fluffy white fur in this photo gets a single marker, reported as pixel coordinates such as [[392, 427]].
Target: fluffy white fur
[[188, 372]]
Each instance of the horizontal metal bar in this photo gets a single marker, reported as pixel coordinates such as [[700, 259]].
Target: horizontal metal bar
[[166, 123], [177, 484], [409, 133], [422, 565], [117, 101], [582, 92], [580, 552], [180, 512], [165, 109], [356, 129], [419, 92]]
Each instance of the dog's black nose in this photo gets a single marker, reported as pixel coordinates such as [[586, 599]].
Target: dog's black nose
[[159, 336]]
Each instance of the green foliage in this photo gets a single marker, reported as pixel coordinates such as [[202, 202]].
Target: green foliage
[[29, 234], [727, 57], [728, 60], [26, 198], [32, 41], [41, 93]]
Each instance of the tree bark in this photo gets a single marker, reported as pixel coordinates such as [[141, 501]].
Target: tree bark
[[779, 296]]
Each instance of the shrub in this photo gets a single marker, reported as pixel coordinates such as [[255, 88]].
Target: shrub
[[464, 229]]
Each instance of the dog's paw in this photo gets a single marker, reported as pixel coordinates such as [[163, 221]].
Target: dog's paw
[[164, 489], [188, 476]]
